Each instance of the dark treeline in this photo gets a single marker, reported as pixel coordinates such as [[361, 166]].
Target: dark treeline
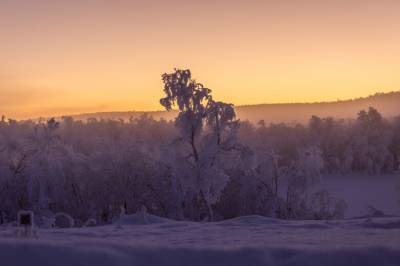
[[367, 144], [90, 170]]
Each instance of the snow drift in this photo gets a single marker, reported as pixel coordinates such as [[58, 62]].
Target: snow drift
[[250, 240]]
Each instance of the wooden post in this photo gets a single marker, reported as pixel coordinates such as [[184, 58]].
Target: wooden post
[[25, 223]]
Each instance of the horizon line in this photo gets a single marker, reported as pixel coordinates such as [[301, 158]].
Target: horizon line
[[377, 94]]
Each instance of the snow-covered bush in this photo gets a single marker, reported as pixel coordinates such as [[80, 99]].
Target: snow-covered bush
[[90, 223], [63, 220], [324, 206]]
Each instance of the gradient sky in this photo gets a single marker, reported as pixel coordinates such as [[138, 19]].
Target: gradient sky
[[64, 57]]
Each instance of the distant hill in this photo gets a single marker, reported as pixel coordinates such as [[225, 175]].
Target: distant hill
[[388, 104]]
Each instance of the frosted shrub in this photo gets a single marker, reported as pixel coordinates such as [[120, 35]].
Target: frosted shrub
[[90, 223], [324, 206], [63, 220]]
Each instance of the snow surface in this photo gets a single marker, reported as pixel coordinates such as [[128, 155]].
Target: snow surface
[[250, 240], [362, 191]]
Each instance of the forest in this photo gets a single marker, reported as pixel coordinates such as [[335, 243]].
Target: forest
[[205, 165]]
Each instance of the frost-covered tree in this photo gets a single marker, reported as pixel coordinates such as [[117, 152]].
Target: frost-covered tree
[[372, 137], [192, 100], [303, 173], [209, 128]]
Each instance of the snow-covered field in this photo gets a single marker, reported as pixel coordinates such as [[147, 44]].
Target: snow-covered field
[[362, 191], [251, 240]]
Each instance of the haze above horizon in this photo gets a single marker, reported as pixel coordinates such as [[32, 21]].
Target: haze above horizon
[[68, 57]]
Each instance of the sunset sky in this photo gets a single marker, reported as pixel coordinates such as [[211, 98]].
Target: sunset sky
[[67, 57]]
